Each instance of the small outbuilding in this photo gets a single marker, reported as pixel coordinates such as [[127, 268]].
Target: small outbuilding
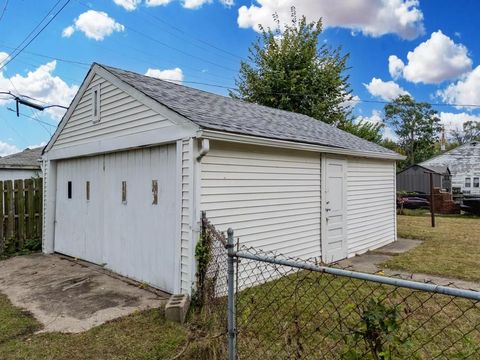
[[135, 160], [22, 165], [416, 178]]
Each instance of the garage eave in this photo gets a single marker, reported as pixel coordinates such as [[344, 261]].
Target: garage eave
[[285, 144]]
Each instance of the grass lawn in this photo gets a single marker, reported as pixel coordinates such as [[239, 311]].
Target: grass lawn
[[451, 249], [145, 335]]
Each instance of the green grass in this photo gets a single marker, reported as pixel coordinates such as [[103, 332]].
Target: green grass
[[314, 315], [143, 335], [451, 249]]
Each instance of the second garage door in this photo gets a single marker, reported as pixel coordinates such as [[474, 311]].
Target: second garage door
[[118, 210]]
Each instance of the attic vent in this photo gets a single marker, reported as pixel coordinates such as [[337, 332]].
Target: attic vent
[[96, 104]]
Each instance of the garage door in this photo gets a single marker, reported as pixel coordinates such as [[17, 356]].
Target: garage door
[[118, 210]]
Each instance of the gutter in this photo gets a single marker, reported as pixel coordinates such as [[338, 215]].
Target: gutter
[[285, 144], [204, 150]]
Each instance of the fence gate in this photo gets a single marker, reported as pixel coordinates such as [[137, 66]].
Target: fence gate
[[20, 214]]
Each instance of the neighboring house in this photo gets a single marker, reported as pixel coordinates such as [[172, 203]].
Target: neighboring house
[[135, 160], [464, 165], [416, 178], [22, 165]]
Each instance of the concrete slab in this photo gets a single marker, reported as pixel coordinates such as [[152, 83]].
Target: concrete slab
[[367, 263], [69, 296], [398, 247]]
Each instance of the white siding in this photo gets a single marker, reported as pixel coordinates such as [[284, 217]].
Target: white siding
[[120, 115], [18, 174], [270, 197], [186, 229], [370, 204]]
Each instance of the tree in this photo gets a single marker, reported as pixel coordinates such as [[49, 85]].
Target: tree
[[416, 125], [367, 130], [470, 132], [288, 70]]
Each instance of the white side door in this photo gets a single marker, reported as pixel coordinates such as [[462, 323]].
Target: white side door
[[334, 246]]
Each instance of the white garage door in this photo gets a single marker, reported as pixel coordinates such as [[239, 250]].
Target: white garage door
[[118, 210]]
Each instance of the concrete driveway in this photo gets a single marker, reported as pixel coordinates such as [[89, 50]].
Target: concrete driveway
[[70, 296]]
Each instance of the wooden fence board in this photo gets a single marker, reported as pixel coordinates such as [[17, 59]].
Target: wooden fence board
[[20, 213]]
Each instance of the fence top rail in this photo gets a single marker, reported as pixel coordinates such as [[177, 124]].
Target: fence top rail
[[414, 285]]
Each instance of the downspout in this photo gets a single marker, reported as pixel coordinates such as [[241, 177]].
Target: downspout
[[204, 150]]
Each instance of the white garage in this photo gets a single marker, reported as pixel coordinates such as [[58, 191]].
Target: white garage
[[119, 210], [136, 159]]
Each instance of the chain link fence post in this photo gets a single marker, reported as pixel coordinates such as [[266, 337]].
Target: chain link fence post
[[232, 331]]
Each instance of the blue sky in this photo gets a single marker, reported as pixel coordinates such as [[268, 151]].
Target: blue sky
[[204, 40]]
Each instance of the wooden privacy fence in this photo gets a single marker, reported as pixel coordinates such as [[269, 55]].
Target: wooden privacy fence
[[20, 214]]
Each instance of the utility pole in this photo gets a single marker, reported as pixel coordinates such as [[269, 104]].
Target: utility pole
[[432, 200]]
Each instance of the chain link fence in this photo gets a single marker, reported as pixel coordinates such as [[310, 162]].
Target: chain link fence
[[271, 306]]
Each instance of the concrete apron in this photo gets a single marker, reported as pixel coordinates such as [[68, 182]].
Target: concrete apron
[[70, 296]]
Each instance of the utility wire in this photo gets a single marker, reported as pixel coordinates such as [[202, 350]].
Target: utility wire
[[10, 59], [4, 10]]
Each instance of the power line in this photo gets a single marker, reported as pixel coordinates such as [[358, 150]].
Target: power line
[[10, 59], [4, 10]]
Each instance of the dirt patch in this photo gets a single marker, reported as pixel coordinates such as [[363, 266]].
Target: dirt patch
[[68, 296]]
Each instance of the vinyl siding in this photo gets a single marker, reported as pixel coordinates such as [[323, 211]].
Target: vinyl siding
[[18, 174], [186, 228], [270, 197], [120, 115], [370, 204]]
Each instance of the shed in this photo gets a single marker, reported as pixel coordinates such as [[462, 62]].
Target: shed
[[464, 165], [135, 160], [415, 178], [22, 165]]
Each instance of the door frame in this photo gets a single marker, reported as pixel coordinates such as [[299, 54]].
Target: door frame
[[323, 214]]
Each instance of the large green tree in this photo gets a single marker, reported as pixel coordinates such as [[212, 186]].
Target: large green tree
[[416, 125], [470, 132], [288, 69]]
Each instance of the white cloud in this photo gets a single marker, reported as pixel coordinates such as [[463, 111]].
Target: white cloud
[[376, 118], [43, 85], [3, 56], [371, 17], [350, 104], [42, 144], [227, 3], [7, 149], [395, 66], [128, 5], [433, 61], [386, 90], [465, 91], [157, 2], [172, 75], [194, 4], [68, 31], [94, 24], [455, 121]]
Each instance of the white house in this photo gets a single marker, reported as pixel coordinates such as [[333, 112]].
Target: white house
[[22, 165], [464, 165], [135, 160]]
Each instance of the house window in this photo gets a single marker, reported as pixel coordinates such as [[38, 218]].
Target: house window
[[69, 189], [124, 192], [476, 182], [468, 182], [154, 192], [96, 103], [87, 190]]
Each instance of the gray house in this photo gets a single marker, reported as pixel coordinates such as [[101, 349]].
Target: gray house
[[416, 178], [22, 165], [464, 165]]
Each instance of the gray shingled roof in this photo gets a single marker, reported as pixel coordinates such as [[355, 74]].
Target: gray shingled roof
[[216, 112], [462, 159], [27, 158]]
